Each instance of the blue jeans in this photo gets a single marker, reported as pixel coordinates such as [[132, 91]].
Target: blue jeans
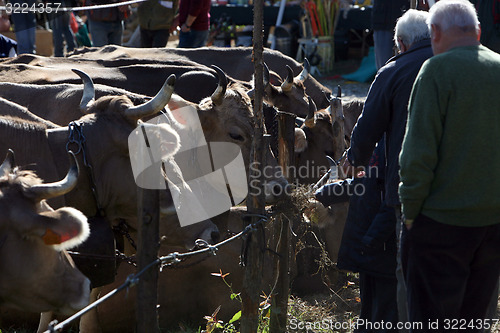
[[193, 38], [60, 32], [384, 46], [104, 33], [25, 28]]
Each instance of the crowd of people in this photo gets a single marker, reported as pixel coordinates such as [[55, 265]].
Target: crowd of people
[[158, 19]]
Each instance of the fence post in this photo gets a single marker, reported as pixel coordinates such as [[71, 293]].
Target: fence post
[[255, 201], [147, 252], [286, 157]]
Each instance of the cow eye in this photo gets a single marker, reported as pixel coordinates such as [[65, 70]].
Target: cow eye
[[236, 136]]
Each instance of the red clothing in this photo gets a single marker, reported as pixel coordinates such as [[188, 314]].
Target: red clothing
[[198, 8]]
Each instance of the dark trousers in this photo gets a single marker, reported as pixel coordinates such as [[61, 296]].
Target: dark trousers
[[452, 273], [378, 304], [154, 38]]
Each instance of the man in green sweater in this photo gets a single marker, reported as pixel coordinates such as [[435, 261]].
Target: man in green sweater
[[451, 206]]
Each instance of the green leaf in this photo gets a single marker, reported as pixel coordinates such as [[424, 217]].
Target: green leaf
[[236, 317]]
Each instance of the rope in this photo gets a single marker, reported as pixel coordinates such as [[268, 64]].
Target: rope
[[9, 9], [170, 259]]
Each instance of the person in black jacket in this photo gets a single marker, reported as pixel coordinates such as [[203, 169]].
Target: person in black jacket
[[385, 113], [369, 242]]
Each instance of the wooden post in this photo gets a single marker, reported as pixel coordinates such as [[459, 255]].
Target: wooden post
[[279, 306], [256, 200], [147, 252]]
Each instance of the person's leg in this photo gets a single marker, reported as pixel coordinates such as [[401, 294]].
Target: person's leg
[[98, 32], [185, 39], [365, 293], [440, 261], [200, 38], [25, 29], [57, 36], [115, 33], [146, 38], [160, 37], [482, 283], [66, 31], [401, 289], [384, 46], [385, 306]]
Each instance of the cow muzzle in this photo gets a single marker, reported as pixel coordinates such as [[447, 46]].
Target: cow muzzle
[[82, 300], [275, 190]]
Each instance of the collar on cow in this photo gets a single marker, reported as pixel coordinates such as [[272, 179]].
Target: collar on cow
[[76, 138]]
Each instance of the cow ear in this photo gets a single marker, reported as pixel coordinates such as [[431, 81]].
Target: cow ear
[[300, 140], [275, 79], [176, 105], [64, 228]]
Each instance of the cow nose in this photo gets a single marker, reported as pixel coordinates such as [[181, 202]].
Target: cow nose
[[215, 235], [277, 190]]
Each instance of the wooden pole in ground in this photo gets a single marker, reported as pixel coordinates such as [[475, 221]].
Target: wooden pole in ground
[[147, 252], [256, 201], [279, 306]]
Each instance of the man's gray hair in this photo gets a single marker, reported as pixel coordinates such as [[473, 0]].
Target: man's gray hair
[[411, 27], [454, 13]]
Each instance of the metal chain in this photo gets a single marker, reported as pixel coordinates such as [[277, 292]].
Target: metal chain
[[123, 230]]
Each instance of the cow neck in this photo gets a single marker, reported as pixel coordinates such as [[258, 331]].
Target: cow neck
[[64, 139]]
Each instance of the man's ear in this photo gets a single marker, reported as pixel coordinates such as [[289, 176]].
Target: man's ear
[[435, 33], [479, 33]]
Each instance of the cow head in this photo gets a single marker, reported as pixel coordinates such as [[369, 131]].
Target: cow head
[[37, 274], [287, 95], [313, 142], [175, 235], [107, 125], [227, 116]]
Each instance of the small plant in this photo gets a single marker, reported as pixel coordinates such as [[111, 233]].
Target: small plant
[[230, 326]]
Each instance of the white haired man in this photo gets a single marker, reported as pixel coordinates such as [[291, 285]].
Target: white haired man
[[384, 118], [451, 211]]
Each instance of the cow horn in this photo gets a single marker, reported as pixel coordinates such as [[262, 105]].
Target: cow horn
[[287, 85], [220, 92], [305, 72], [311, 119], [51, 190], [331, 162], [88, 96], [7, 163], [339, 91], [266, 76], [156, 104]]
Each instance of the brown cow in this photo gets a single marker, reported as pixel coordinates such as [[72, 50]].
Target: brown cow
[[228, 120], [290, 96], [36, 272]]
